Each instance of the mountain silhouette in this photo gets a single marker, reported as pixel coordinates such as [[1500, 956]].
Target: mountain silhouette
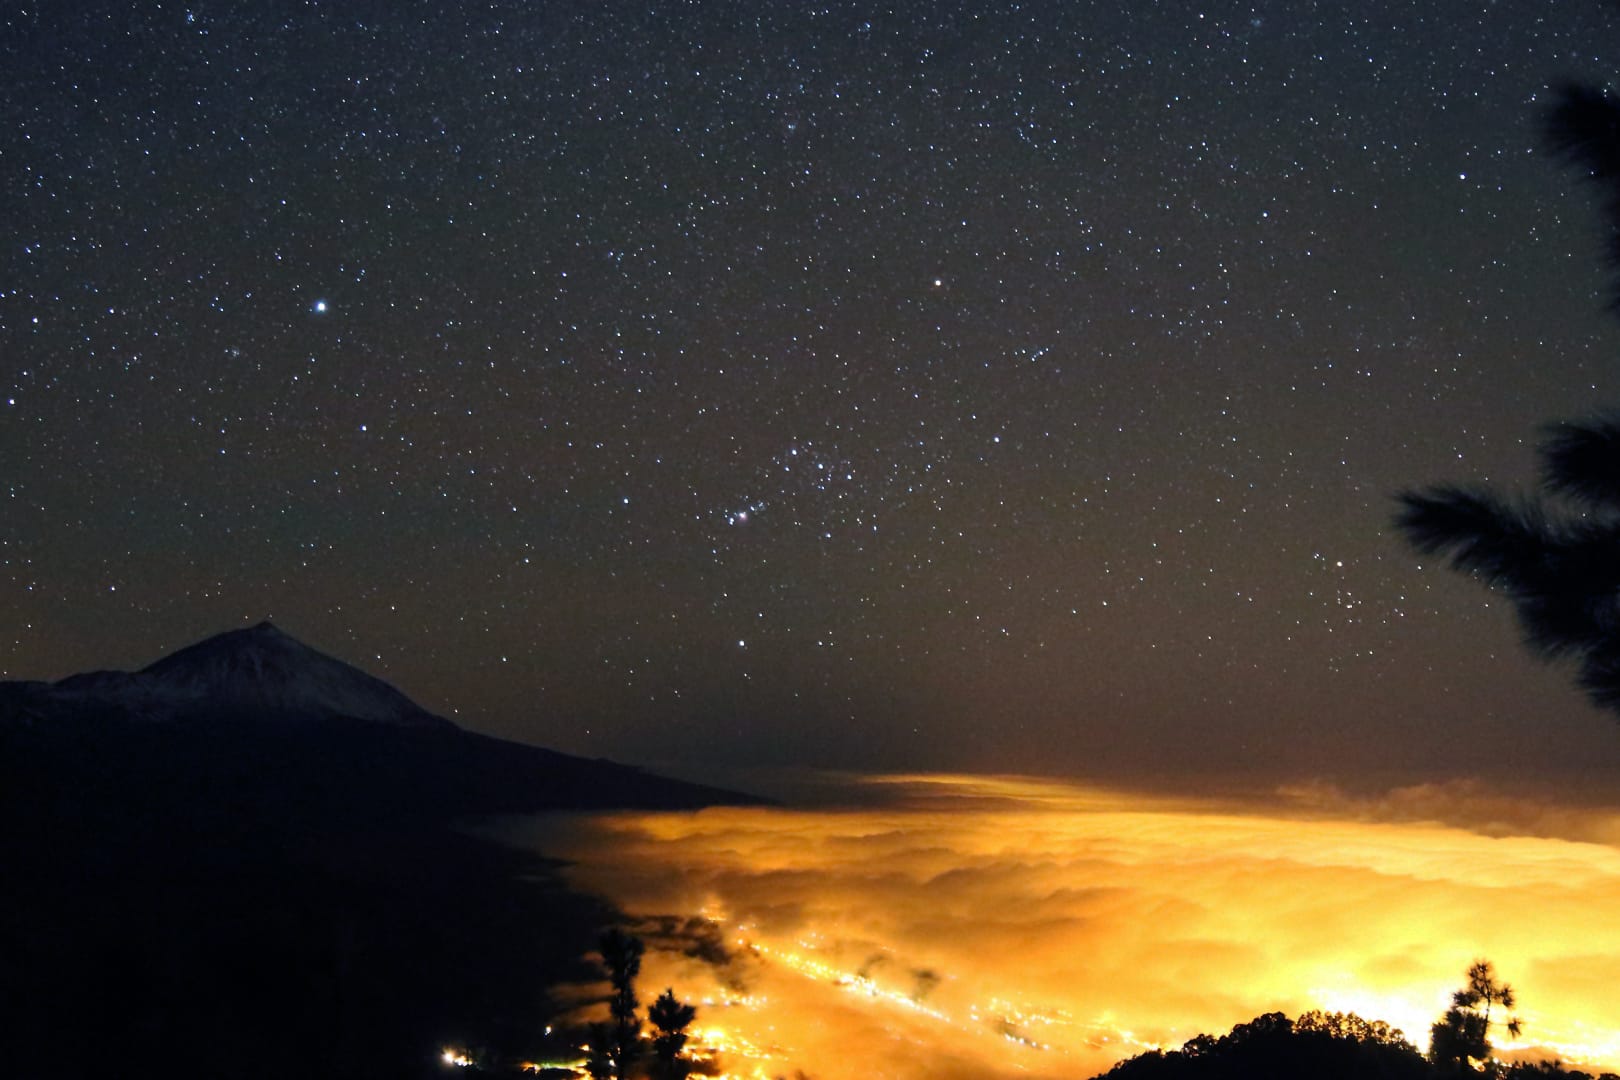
[[261, 719], [256, 673], [250, 859], [261, 669]]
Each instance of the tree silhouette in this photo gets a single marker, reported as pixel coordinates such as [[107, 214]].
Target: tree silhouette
[[1341, 1025], [1318, 1045], [1583, 128], [671, 1019], [1555, 554], [620, 1037], [1557, 564], [600, 1063], [1462, 1035]]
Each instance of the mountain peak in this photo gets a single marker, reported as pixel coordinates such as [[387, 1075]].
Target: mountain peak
[[259, 671]]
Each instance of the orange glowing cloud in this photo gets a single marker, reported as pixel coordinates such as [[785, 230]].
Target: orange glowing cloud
[[999, 927]]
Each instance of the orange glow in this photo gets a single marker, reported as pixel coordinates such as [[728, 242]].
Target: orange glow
[[995, 927]]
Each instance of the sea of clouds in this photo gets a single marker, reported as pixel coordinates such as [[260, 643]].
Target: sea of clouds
[[986, 927]]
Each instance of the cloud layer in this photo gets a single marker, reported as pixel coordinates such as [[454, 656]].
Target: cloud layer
[[1000, 927]]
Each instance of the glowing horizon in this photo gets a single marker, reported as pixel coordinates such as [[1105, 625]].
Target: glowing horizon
[[997, 926]]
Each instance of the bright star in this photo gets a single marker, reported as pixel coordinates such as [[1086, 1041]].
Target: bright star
[[318, 307]]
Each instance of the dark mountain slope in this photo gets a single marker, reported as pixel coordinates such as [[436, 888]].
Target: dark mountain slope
[[246, 860], [255, 720]]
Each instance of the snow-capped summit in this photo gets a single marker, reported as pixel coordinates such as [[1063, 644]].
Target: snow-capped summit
[[253, 725], [258, 671]]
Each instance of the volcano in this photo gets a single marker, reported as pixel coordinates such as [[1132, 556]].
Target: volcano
[[251, 859], [255, 718], [259, 673]]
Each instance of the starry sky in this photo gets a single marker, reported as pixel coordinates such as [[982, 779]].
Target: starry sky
[[1013, 386]]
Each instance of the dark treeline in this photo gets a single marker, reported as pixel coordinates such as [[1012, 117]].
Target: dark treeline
[[1320, 1046]]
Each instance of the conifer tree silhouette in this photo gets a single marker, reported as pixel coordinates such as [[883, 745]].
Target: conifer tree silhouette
[[621, 955], [1555, 553], [670, 1019], [1462, 1035]]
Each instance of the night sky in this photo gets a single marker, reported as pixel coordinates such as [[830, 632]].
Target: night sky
[[932, 385]]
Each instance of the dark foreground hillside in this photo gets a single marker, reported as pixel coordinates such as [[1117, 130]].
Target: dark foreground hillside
[[1316, 1046], [213, 871], [153, 945]]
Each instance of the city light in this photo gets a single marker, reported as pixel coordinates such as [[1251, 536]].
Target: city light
[[1008, 928]]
